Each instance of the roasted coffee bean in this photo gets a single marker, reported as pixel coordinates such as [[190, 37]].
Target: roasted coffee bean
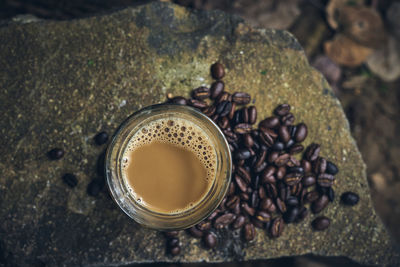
[[247, 209], [173, 242], [320, 204], [254, 200], [239, 162], [252, 114], [224, 96], [210, 240], [309, 180], [281, 205], [241, 98], [263, 216], [278, 146], [209, 111], [280, 173], [213, 215], [240, 183], [249, 232], [289, 144], [292, 201], [101, 138], [260, 168], [197, 103], [303, 213], [244, 114], [255, 182], [261, 193], [257, 223], [242, 128], [248, 140], [301, 132], [230, 203], [272, 156], [349, 198], [226, 110], [195, 232], [325, 180], [179, 100], [276, 227], [214, 117], [201, 93], [242, 172], [269, 171], [296, 189], [237, 118], [293, 178], [320, 165], [217, 71], [271, 190], [223, 122], [242, 153], [306, 165], [232, 111], [265, 204], [224, 220], [55, 153], [221, 106], [174, 251], [244, 196], [239, 222], [312, 152], [321, 223], [70, 179], [296, 169], [94, 187], [266, 139], [331, 168], [282, 110], [268, 179], [331, 194], [269, 123], [230, 134], [283, 191], [282, 160], [204, 225], [216, 89], [284, 134], [291, 215], [297, 148], [311, 196], [171, 234], [288, 119]]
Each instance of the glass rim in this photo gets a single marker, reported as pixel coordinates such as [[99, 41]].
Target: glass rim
[[124, 199]]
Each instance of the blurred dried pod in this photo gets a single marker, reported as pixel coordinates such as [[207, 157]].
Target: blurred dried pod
[[333, 9], [385, 61], [362, 24], [345, 51]]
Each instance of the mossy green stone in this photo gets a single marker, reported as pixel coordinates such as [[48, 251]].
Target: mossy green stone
[[63, 81]]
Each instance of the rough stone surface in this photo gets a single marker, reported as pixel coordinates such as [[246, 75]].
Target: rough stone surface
[[62, 82]]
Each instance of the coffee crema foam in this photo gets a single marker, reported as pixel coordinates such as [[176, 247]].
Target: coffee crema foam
[[179, 132]]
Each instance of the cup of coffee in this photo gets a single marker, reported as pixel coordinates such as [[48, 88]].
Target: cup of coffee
[[168, 167]]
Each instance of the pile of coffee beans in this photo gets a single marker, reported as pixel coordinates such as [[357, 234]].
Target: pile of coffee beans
[[270, 186]]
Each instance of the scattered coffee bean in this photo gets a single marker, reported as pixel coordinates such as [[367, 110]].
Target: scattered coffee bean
[[320, 204], [252, 114], [282, 110], [179, 100], [301, 133], [321, 223], [312, 152], [217, 71], [349, 198], [241, 98], [55, 153], [331, 168], [70, 179], [101, 138], [216, 89], [249, 232], [195, 232], [276, 227], [210, 240]]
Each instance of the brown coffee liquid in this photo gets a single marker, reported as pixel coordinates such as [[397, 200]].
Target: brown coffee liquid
[[169, 165]]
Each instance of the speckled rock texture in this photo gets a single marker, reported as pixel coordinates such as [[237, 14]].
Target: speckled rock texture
[[62, 82]]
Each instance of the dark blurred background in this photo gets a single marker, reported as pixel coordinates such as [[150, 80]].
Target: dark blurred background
[[354, 43]]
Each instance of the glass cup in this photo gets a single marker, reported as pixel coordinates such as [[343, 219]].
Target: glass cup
[[118, 186]]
